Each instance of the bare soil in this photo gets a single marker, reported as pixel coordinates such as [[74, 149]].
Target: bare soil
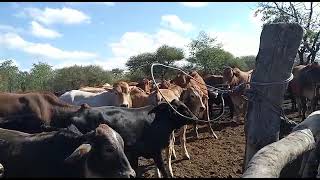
[[215, 158]]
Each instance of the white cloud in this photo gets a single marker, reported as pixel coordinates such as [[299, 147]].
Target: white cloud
[[39, 31], [14, 41], [175, 23], [133, 43], [7, 28], [87, 3], [53, 16], [194, 4]]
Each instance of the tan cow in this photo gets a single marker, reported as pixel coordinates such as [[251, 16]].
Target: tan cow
[[140, 98], [234, 77]]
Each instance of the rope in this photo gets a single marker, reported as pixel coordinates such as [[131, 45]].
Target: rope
[[235, 89]]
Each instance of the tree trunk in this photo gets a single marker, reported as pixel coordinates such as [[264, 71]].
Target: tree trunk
[[278, 47]]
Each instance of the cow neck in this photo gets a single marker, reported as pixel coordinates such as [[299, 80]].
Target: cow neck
[[64, 137]]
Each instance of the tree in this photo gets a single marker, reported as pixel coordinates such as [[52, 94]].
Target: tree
[[246, 62], [208, 56], [202, 42], [75, 77], [9, 76], [305, 14], [141, 64], [212, 60], [167, 55], [40, 76]]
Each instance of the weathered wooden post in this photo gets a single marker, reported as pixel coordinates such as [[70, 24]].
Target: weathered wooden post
[[278, 47]]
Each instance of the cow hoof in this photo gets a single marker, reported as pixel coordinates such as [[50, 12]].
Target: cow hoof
[[1, 171], [186, 157]]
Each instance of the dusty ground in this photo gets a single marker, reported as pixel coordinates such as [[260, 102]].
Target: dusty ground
[[210, 157]]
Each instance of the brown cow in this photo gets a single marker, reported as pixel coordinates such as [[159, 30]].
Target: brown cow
[[293, 87], [28, 112], [234, 77], [199, 85], [146, 85]]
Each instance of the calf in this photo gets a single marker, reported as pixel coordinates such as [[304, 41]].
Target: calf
[[146, 131], [64, 153], [140, 98]]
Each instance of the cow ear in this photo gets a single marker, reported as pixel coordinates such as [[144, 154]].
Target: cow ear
[[84, 106], [80, 152], [236, 72]]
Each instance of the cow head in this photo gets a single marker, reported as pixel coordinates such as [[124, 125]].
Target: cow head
[[121, 91], [228, 74], [145, 85], [192, 98], [103, 155], [181, 80], [164, 112], [155, 98]]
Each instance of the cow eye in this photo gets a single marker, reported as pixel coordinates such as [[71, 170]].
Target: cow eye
[[109, 150], [192, 96]]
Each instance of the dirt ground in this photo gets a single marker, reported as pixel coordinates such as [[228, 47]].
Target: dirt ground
[[220, 158]]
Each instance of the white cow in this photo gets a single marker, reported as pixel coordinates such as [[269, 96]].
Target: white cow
[[118, 96]]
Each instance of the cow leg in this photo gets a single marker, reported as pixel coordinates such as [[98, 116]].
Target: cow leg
[[182, 135], [195, 130], [169, 151], [160, 164], [133, 159], [174, 156], [303, 107]]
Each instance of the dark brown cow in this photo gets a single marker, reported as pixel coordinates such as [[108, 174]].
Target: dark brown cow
[[293, 86], [234, 77], [309, 81], [28, 112]]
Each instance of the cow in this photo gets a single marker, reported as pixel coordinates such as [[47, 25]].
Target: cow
[[64, 153], [293, 86], [216, 99], [234, 77], [140, 98], [309, 81], [199, 85], [118, 96], [146, 85], [1, 170], [217, 81], [146, 131], [213, 80], [30, 111]]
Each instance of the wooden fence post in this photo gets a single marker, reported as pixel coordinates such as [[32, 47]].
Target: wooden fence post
[[278, 48]]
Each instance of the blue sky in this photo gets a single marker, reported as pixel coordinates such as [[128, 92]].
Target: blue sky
[[107, 34]]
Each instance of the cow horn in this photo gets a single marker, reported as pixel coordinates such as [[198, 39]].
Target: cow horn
[[82, 150]]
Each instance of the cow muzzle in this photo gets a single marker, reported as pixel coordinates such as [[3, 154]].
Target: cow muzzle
[[124, 105]]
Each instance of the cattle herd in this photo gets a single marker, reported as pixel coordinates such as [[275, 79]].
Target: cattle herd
[[102, 131]]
